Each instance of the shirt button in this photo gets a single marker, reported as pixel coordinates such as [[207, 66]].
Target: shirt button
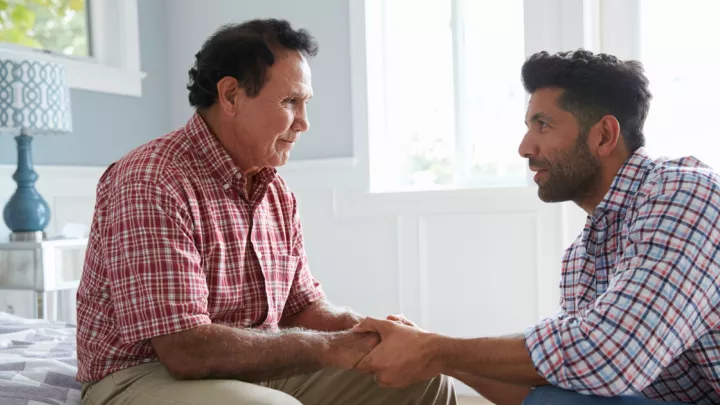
[[259, 255], [238, 175], [226, 186]]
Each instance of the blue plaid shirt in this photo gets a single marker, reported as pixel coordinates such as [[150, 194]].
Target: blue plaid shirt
[[641, 290]]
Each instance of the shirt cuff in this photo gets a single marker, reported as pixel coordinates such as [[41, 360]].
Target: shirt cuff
[[147, 328], [302, 301], [544, 344]]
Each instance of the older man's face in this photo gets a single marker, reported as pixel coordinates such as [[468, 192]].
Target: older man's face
[[268, 125]]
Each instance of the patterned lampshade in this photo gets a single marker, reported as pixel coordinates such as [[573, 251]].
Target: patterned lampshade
[[34, 98]]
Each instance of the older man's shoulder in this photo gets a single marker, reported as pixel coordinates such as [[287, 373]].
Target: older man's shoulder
[[155, 161]]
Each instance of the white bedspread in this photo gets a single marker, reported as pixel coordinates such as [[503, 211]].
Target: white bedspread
[[38, 362]]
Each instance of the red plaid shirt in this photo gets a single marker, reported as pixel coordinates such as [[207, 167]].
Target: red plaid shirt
[[640, 310], [176, 243]]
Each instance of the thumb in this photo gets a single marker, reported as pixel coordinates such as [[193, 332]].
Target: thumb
[[368, 325]]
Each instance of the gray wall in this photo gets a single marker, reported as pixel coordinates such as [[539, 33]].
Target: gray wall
[[107, 126], [190, 22]]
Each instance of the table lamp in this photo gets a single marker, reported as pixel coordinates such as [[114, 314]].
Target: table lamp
[[34, 100]]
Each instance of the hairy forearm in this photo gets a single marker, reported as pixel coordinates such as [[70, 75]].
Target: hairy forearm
[[322, 316], [219, 351], [504, 359], [497, 392]]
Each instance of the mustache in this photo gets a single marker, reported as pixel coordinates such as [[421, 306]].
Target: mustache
[[538, 163]]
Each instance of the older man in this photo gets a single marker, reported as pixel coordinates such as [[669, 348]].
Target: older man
[[640, 314], [196, 288]]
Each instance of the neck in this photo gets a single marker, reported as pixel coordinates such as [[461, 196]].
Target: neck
[[607, 175], [223, 132], [250, 173]]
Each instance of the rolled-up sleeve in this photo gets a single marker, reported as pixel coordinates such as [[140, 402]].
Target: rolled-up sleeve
[[157, 283], [663, 296]]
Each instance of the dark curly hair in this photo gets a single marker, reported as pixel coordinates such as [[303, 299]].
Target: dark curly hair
[[594, 86], [243, 51]]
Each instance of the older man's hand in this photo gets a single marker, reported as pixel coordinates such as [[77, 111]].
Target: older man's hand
[[347, 349], [405, 355]]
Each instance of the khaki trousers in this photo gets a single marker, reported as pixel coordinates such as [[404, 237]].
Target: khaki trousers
[[151, 383]]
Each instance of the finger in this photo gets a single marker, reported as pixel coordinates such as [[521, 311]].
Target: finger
[[365, 366], [382, 383], [388, 382], [368, 325], [401, 319]]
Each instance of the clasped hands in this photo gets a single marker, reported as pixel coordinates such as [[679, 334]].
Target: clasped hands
[[405, 354]]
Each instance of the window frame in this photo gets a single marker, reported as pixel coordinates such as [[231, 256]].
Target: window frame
[[114, 66], [619, 32]]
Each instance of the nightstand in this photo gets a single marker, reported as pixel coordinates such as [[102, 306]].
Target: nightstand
[[43, 267]]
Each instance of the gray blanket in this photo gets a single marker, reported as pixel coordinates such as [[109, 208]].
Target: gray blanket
[[38, 362]]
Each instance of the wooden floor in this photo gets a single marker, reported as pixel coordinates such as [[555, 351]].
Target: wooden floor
[[473, 401]]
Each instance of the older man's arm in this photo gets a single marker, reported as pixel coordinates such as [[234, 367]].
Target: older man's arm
[[160, 294], [219, 351], [322, 316]]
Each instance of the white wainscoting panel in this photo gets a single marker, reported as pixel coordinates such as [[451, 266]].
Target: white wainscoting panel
[[355, 259], [493, 226], [476, 282]]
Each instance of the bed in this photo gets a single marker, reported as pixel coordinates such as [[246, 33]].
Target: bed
[[38, 362]]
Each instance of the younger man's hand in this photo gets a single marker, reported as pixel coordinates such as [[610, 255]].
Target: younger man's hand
[[346, 349]]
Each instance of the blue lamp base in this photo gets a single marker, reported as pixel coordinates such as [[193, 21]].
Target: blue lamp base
[[27, 214]]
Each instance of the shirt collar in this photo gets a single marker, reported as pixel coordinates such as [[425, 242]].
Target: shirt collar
[[625, 184], [214, 155]]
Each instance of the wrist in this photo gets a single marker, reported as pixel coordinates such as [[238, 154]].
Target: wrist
[[325, 351], [330, 349], [352, 319], [438, 347]]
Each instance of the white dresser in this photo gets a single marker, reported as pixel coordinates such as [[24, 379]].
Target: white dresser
[[41, 270]]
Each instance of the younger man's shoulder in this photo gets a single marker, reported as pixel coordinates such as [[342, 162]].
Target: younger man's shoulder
[[686, 180]]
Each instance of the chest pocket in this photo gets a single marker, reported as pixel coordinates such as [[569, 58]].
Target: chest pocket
[[274, 230], [279, 271]]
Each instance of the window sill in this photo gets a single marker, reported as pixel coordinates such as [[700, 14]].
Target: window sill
[[87, 75]]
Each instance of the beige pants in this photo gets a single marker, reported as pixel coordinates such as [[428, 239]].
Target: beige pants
[[152, 384]]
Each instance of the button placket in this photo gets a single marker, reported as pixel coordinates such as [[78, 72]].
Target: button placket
[[263, 261]]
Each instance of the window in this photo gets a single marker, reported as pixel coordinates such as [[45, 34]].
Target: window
[[446, 94], [97, 40], [59, 26], [682, 65]]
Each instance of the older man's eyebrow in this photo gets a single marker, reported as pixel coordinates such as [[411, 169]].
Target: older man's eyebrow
[[301, 94]]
